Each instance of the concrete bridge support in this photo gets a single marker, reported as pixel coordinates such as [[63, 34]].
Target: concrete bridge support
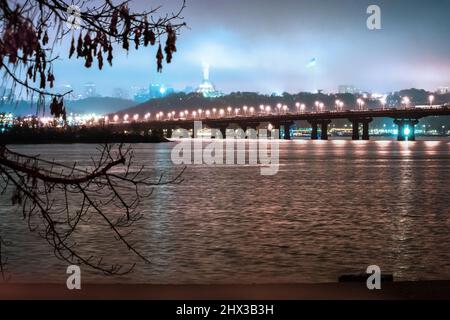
[[406, 129], [252, 131], [314, 131], [365, 128], [355, 130], [169, 133], [287, 130], [365, 135], [324, 129]]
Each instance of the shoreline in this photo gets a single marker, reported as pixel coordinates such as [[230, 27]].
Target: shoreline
[[330, 291]]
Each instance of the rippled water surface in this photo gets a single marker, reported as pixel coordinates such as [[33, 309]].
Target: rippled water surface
[[334, 207]]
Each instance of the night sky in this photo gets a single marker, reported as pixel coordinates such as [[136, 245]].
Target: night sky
[[265, 46]]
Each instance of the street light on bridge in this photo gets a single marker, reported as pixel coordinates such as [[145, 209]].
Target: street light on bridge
[[406, 101], [116, 118], [245, 109], [125, 117], [279, 107], [431, 99], [261, 108], [302, 107], [360, 103], [252, 110], [317, 104], [337, 103]]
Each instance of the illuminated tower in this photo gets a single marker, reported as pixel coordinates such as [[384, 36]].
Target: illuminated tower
[[206, 87], [205, 72]]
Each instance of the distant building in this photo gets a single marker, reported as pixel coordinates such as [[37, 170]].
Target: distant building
[[188, 89], [120, 93], [141, 95], [442, 90], [90, 90], [206, 88], [154, 91], [347, 89]]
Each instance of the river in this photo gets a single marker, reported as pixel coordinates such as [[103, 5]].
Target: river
[[334, 207]]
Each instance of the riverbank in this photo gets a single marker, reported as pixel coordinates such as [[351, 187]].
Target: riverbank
[[333, 291], [76, 135]]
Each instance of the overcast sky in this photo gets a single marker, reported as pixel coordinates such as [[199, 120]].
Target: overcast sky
[[265, 46]]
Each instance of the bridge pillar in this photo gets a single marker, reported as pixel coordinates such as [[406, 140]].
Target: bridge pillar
[[287, 130], [223, 131], [406, 129], [365, 122], [324, 129], [157, 133], [355, 129], [314, 134], [169, 133], [365, 135], [252, 127], [276, 126]]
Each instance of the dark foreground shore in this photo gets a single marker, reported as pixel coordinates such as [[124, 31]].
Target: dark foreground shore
[[334, 291], [77, 135]]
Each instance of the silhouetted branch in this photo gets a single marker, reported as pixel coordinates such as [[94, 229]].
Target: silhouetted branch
[[62, 196]]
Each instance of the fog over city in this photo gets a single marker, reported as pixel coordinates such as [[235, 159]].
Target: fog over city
[[268, 46]]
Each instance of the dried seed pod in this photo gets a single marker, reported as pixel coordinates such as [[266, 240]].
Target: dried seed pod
[[42, 75], [170, 43], [137, 35], [50, 78], [89, 60], [159, 59], [152, 38], [125, 44], [72, 48], [113, 24], [100, 59], [54, 107], [87, 40], [80, 52], [110, 55]]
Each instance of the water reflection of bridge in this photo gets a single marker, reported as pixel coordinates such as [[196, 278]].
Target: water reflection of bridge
[[405, 119]]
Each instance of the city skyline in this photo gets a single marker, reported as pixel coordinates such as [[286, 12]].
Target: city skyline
[[403, 54]]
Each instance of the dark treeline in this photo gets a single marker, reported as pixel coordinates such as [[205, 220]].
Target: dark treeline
[[97, 135], [192, 101]]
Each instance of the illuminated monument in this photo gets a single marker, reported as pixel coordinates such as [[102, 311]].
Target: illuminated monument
[[206, 87]]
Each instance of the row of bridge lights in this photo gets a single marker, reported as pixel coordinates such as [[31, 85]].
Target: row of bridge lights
[[300, 108], [263, 109]]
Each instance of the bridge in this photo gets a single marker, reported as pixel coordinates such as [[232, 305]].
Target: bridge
[[405, 119]]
